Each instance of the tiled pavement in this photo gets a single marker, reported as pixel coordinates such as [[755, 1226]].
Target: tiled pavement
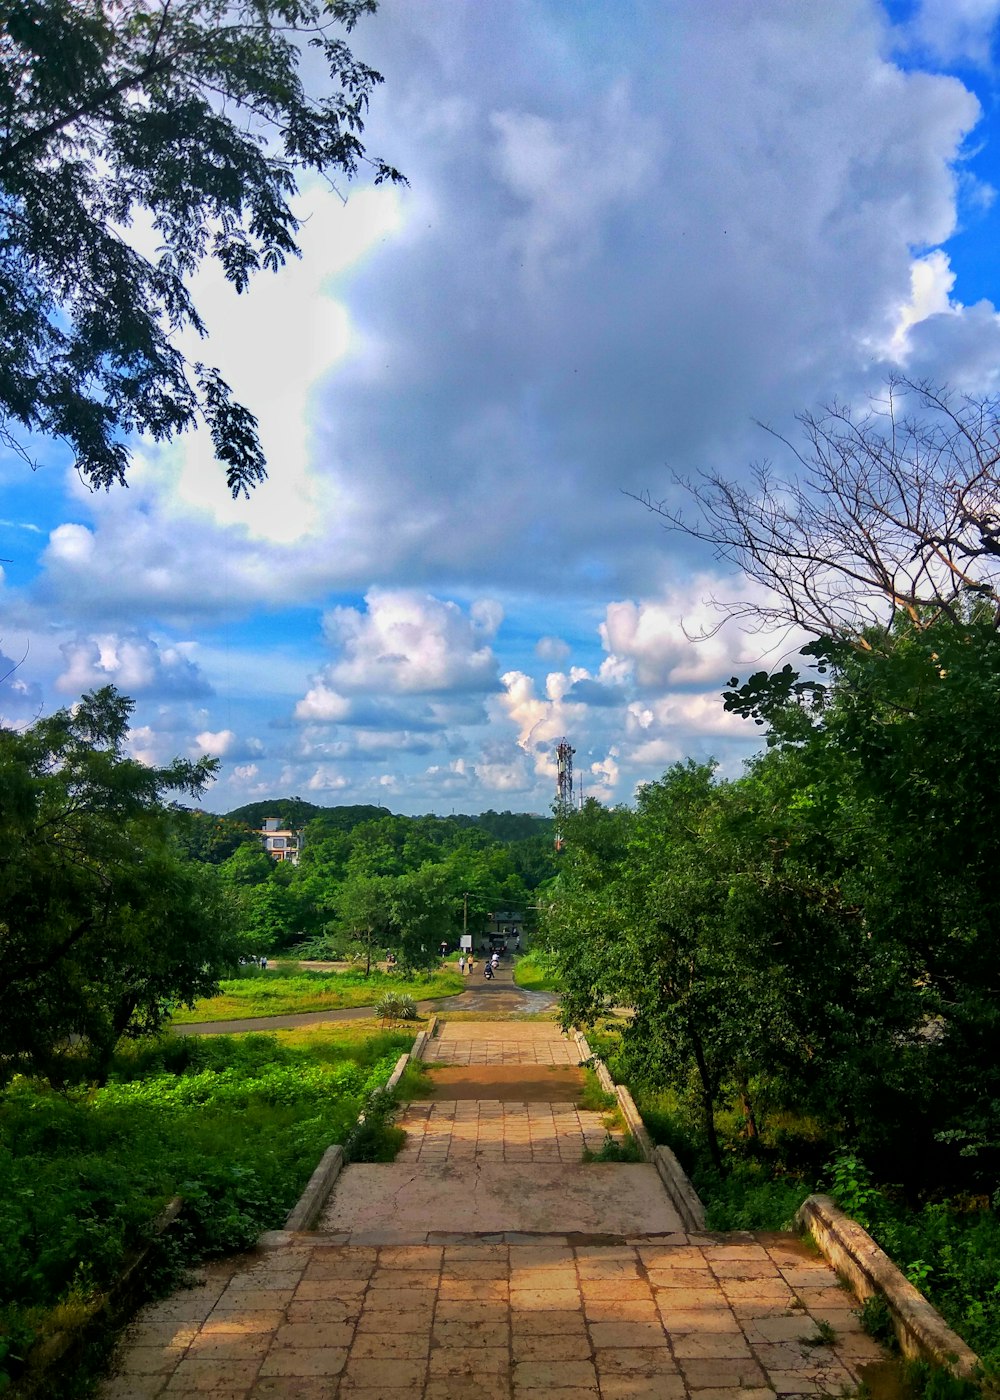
[[501, 1132], [439, 1314], [502, 1043]]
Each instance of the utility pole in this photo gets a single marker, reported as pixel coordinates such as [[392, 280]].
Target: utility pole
[[465, 913]]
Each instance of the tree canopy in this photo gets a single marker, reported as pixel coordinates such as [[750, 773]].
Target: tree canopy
[[193, 116], [103, 922]]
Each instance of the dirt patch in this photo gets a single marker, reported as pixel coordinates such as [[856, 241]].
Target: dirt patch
[[508, 1083]]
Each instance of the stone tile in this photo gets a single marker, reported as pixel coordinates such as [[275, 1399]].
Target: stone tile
[[677, 1278], [293, 1388], [197, 1376], [548, 1323], [411, 1257], [755, 1290], [249, 1300], [324, 1310], [469, 1310], [388, 1323], [470, 1334], [402, 1346], [702, 1374], [544, 1299], [458, 1361], [304, 1361], [656, 1256], [150, 1360], [818, 1300], [399, 1300], [621, 1310], [558, 1346], [622, 1288], [639, 1387], [132, 1387], [465, 1388], [710, 1346], [554, 1375], [635, 1361], [680, 1320], [314, 1334], [378, 1374], [223, 1345], [625, 1334], [160, 1334]]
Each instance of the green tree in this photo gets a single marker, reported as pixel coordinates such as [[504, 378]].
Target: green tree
[[103, 924], [364, 911], [191, 114], [896, 759]]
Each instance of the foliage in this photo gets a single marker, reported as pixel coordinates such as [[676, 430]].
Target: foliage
[[104, 926], [235, 1126], [394, 1007], [534, 974], [614, 1149], [949, 1249], [195, 117]]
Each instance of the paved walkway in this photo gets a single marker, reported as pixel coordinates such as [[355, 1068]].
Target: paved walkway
[[500, 1278]]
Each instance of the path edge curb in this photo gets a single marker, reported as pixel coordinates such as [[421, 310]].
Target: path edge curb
[[308, 1208], [920, 1329], [676, 1182]]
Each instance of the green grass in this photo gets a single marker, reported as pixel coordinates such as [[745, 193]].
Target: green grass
[[533, 974], [278, 993], [234, 1125], [593, 1097]]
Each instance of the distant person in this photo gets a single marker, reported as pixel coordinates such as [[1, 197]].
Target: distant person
[[263, 963], [472, 963], [461, 963]]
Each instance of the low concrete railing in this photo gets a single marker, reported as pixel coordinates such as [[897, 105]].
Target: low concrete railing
[[868, 1270], [309, 1206], [683, 1196]]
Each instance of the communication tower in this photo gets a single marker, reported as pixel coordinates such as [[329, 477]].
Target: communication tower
[[564, 787]]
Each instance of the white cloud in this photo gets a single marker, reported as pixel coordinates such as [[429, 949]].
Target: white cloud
[[408, 643], [135, 664], [953, 30]]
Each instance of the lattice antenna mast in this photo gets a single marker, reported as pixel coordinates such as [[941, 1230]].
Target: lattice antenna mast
[[564, 788]]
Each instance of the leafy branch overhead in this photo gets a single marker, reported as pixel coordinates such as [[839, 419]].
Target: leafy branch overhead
[[193, 115]]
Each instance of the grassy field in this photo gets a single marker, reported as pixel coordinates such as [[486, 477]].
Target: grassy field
[[276, 992], [533, 974], [233, 1124]]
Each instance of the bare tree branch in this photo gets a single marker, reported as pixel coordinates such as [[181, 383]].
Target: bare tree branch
[[894, 509]]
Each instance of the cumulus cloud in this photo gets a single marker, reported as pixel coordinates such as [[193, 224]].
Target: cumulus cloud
[[591, 278], [408, 643], [136, 664]]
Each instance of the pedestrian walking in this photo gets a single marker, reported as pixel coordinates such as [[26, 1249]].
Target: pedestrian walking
[[461, 963], [472, 963]]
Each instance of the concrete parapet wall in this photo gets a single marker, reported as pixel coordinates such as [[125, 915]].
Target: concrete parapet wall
[[306, 1211], [683, 1195], [633, 1119], [868, 1270]]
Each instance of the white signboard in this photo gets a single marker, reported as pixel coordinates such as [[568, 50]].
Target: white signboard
[[467, 940]]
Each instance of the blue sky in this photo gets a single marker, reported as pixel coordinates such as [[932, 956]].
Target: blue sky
[[631, 231]]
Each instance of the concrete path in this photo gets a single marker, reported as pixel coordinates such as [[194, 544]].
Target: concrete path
[[499, 996], [468, 1274]]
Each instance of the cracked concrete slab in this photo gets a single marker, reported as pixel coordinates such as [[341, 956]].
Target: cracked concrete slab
[[487, 1197]]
